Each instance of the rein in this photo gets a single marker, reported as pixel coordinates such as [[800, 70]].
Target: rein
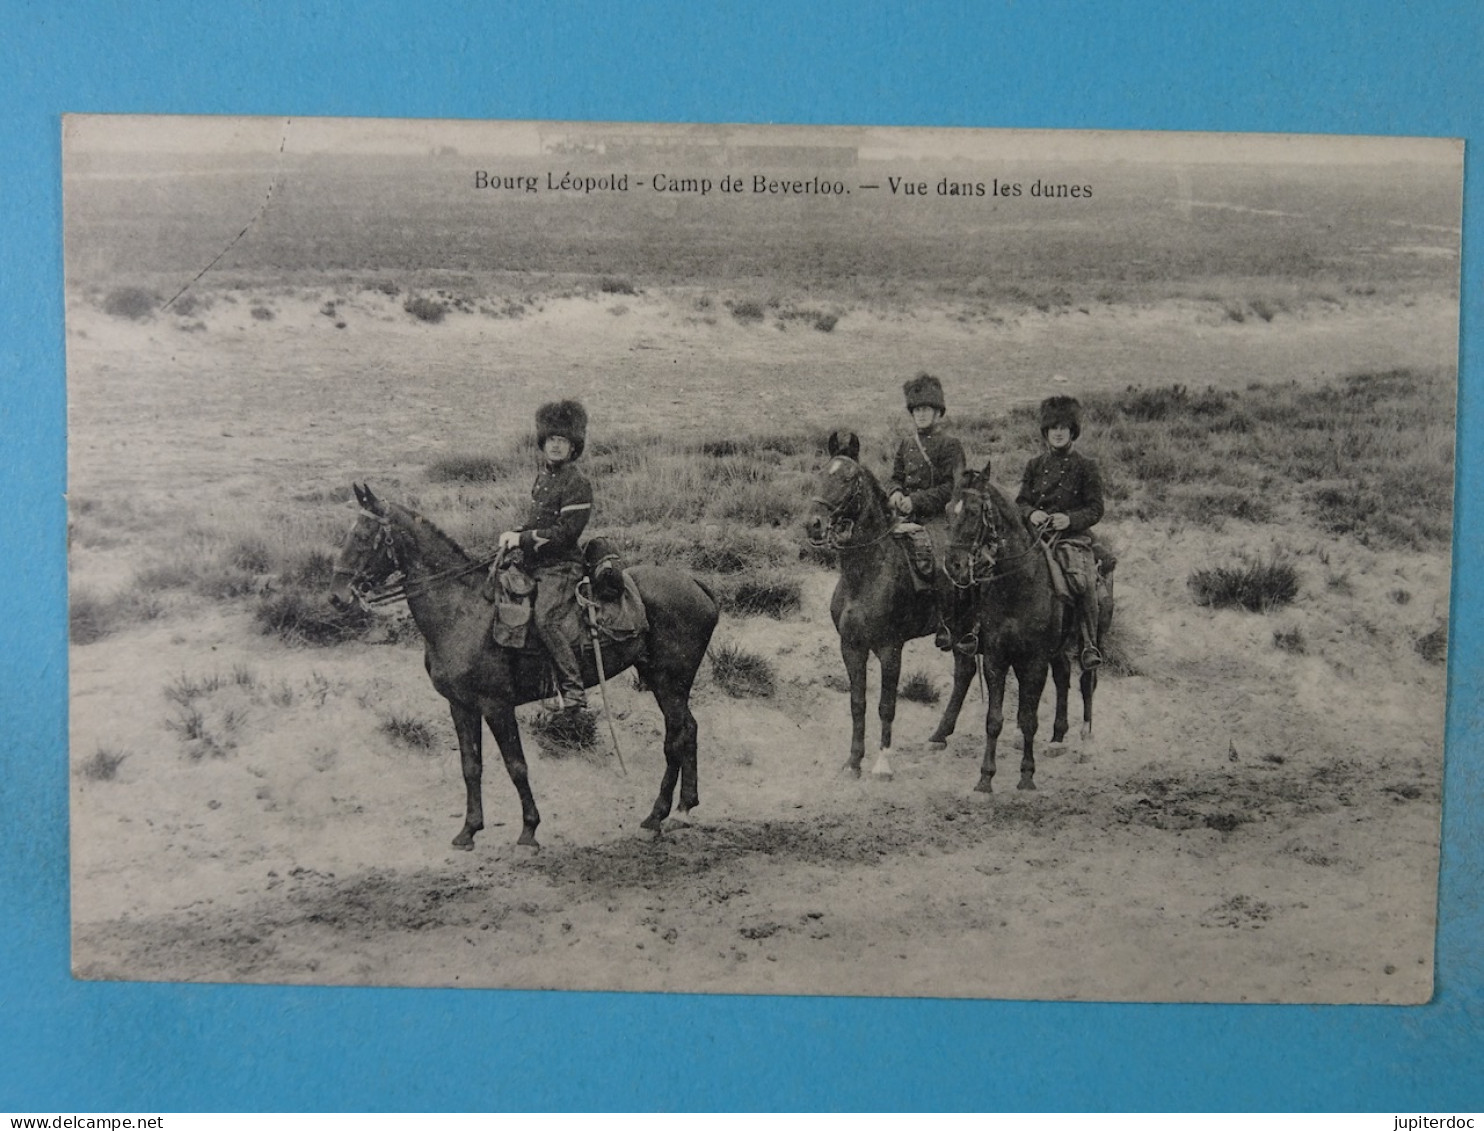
[[995, 572], [831, 541], [391, 592]]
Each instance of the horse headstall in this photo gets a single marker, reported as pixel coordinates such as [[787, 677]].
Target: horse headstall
[[361, 584], [979, 550], [840, 533]]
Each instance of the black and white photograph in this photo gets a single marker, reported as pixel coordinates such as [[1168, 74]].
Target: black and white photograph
[[887, 562]]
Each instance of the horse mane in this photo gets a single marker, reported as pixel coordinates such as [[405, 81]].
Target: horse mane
[[441, 542], [1006, 510], [872, 482]]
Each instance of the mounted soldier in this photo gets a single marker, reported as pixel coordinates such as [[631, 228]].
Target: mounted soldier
[[561, 504], [1061, 499], [923, 477]]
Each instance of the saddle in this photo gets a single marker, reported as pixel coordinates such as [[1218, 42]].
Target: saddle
[[1105, 561], [607, 598], [917, 544]]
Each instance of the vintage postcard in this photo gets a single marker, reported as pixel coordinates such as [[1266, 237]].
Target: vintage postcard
[[966, 563]]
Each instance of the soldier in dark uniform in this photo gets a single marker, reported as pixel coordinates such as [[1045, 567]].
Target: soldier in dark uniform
[[561, 504], [1061, 494], [923, 478]]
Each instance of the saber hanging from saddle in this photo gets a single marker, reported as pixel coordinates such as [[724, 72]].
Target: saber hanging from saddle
[[590, 605]]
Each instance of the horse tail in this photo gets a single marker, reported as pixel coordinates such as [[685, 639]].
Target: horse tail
[[710, 594]]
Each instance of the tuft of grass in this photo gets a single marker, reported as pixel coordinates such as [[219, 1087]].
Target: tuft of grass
[[612, 286], [134, 303], [310, 569], [103, 765], [919, 687], [482, 468], [1255, 585], [1433, 646], [773, 596], [261, 313], [298, 618], [1262, 309], [1121, 647], [824, 323], [89, 618], [408, 730], [748, 311], [251, 555], [1290, 640], [185, 690], [564, 732], [425, 309], [742, 674]]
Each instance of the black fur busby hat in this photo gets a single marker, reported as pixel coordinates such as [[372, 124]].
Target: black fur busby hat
[[562, 418], [1061, 412], [924, 389]]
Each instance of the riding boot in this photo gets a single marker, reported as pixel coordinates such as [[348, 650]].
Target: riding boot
[[1087, 629]]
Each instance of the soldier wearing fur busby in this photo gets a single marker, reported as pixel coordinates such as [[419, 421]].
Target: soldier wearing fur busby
[[1061, 498], [923, 477], [561, 504]]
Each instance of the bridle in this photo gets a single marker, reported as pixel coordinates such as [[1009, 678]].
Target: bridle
[[980, 550], [381, 590], [838, 535]]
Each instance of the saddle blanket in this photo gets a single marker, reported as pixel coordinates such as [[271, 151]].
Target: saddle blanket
[[625, 617]]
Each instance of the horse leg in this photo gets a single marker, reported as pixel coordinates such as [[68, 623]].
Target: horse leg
[[1090, 679], [994, 721], [501, 719], [855, 667], [680, 753], [886, 709], [1032, 681], [467, 724], [963, 676], [1061, 677]]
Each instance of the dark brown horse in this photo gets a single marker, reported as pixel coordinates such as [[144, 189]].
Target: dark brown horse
[[483, 681], [1023, 626], [877, 607]]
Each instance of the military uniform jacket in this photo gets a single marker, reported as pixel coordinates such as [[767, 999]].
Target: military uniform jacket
[[561, 504], [927, 474], [1065, 482]]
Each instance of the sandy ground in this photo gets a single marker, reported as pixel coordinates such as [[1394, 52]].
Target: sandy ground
[[1245, 825]]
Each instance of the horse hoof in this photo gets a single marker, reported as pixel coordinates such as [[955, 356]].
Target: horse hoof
[[652, 823], [464, 844], [881, 775], [528, 838], [984, 786], [852, 769], [1086, 732], [1026, 783], [1054, 749], [936, 743]]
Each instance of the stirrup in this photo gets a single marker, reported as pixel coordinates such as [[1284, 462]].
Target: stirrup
[[1091, 658], [968, 644]]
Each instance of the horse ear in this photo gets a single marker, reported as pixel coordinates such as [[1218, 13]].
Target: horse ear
[[371, 502], [984, 474], [845, 443], [360, 493]]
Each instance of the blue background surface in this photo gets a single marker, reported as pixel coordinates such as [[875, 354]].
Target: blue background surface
[[1345, 67]]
